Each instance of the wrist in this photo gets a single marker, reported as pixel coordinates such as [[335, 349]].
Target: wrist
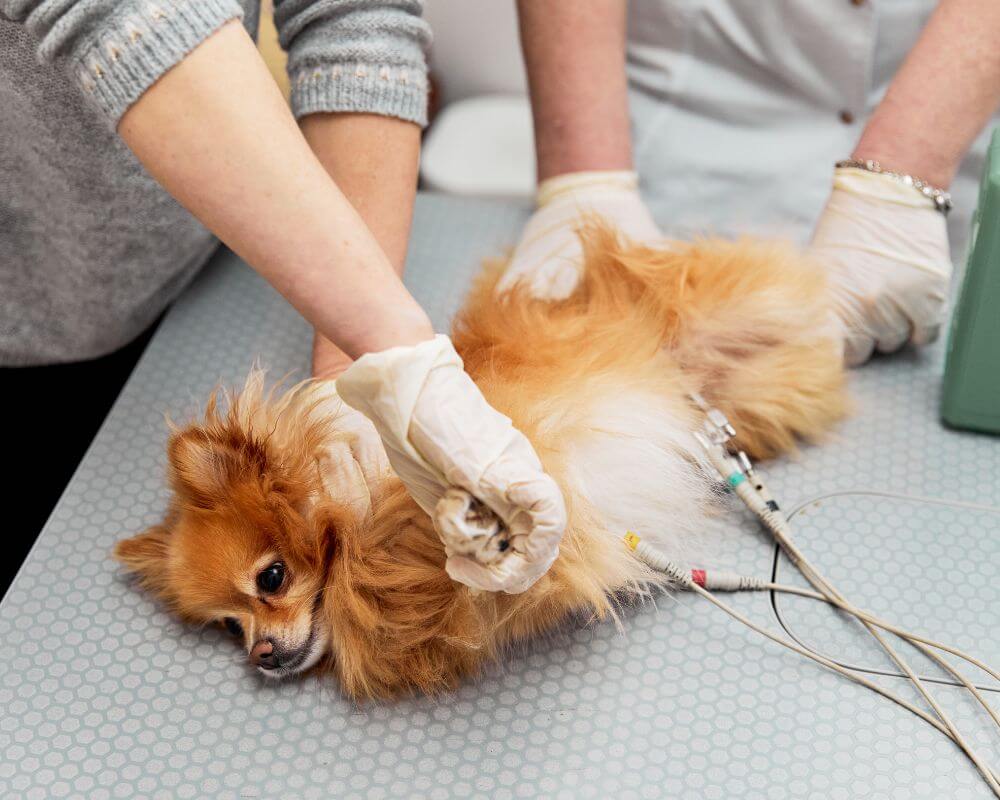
[[565, 163], [328, 360], [561, 150], [408, 330], [906, 153]]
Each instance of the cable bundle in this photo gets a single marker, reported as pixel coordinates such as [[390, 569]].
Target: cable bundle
[[738, 473]]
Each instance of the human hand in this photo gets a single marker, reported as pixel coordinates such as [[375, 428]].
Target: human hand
[[549, 257], [885, 250], [355, 463], [440, 434]]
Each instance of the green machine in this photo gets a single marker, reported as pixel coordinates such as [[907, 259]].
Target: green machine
[[971, 393]]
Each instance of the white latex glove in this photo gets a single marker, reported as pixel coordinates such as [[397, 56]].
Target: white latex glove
[[885, 249], [354, 466], [549, 257], [439, 432]]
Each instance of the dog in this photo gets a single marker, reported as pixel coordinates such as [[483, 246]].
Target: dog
[[598, 382]]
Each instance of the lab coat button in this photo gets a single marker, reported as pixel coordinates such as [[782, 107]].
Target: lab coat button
[[846, 117], [858, 2]]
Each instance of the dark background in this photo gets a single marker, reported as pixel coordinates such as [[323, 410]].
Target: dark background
[[52, 414]]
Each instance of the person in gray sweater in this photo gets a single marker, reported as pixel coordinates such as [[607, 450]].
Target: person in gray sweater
[[132, 131], [92, 248]]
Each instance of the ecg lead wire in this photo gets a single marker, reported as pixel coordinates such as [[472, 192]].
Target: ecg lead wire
[[735, 469], [887, 626], [655, 559], [773, 519], [781, 529], [912, 639], [726, 581]]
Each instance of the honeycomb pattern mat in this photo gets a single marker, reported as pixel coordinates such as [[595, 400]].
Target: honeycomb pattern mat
[[104, 696]]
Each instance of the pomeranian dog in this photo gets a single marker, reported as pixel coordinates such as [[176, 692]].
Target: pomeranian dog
[[599, 383]]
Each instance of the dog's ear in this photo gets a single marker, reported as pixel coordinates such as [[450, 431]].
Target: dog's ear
[[146, 554], [204, 465]]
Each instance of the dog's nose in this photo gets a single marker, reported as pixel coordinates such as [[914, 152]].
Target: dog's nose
[[262, 655]]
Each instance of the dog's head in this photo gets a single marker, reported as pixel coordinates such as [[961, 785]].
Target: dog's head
[[248, 540]]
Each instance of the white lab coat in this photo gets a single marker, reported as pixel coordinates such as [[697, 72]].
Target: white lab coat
[[741, 107]]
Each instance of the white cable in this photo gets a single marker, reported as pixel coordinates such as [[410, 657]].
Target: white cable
[[725, 581], [735, 471], [915, 641], [778, 525], [920, 498], [657, 560], [903, 634], [988, 774]]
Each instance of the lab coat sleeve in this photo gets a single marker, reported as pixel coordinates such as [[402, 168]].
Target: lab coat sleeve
[[356, 56], [116, 49]]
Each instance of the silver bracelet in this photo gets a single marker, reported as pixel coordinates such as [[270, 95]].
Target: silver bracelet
[[941, 198]]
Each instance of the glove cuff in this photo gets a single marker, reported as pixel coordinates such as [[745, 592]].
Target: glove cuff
[[575, 182], [880, 186]]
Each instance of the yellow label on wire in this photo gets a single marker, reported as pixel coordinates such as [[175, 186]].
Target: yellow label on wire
[[632, 540]]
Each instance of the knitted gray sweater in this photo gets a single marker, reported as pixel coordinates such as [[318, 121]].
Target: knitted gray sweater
[[91, 248]]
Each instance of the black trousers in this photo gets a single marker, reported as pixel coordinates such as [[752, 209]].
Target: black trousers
[[49, 415]]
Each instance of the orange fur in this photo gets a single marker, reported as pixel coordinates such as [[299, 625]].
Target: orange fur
[[736, 321]]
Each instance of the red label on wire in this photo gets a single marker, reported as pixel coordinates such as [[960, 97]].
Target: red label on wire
[[698, 576]]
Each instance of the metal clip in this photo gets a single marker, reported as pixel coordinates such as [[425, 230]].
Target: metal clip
[[716, 426], [745, 463], [718, 419]]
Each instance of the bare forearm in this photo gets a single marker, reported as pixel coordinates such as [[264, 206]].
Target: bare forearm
[[942, 96], [575, 57], [374, 161], [215, 132]]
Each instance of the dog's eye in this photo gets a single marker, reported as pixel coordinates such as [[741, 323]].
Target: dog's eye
[[233, 626], [269, 580]]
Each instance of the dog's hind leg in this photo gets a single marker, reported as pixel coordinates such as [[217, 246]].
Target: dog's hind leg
[[754, 334]]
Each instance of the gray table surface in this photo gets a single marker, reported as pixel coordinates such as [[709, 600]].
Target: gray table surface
[[104, 695]]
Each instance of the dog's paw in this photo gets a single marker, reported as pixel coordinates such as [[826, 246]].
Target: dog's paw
[[469, 528]]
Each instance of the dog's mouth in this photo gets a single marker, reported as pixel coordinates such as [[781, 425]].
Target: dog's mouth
[[304, 657], [307, 656]]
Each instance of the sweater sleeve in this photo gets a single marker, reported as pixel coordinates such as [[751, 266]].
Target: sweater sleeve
[[356, 55], [117, 49]]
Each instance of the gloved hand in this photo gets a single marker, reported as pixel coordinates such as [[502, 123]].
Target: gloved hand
[[439, 432], [355, 464], [549, 257], [885, 249]]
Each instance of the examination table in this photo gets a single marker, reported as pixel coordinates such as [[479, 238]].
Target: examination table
[[103, 694]]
